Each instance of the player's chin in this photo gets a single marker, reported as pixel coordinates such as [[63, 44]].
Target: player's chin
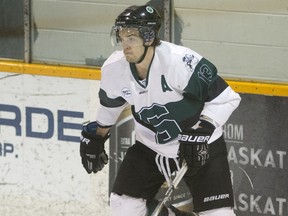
[[130, 60]]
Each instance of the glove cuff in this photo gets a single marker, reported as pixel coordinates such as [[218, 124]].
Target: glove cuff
[[89, 130], [209, 120], [207, 125]]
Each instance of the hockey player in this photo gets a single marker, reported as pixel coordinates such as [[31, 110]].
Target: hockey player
[[179, 105]]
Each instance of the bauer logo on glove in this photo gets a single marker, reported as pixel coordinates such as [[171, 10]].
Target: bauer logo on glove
[[194, 147], [85, 140], [192, 138]]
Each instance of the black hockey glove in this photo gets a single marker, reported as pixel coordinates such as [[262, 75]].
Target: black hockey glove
[[193, 145], [92, 149]]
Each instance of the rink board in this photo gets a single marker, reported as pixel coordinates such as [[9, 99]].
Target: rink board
[[40, 166]]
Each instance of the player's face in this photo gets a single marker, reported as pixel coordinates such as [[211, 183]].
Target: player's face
[[132, 44]]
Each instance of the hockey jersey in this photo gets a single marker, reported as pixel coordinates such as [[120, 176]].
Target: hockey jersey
[[180, 86]]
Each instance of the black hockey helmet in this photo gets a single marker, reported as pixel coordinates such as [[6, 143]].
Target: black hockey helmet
[[145, 18]]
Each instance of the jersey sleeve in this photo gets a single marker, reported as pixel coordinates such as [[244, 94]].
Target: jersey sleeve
[[200, 80], [221, 107], [219, 100], [111, 101], [110, 108]]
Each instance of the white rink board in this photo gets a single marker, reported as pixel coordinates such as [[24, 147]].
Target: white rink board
[[44, 176]]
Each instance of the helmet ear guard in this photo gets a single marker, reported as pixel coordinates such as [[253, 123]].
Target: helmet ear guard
[[147, 34]]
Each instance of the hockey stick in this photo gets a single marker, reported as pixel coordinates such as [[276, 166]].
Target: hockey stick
[[171, 188]]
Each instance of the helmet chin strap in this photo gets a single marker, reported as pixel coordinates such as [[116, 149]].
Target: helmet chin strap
[[143, 55]]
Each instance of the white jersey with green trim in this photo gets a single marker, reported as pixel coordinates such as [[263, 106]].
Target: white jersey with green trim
[[180, 86]]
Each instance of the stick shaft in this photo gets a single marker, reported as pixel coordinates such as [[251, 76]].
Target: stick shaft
[[170, 190]]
